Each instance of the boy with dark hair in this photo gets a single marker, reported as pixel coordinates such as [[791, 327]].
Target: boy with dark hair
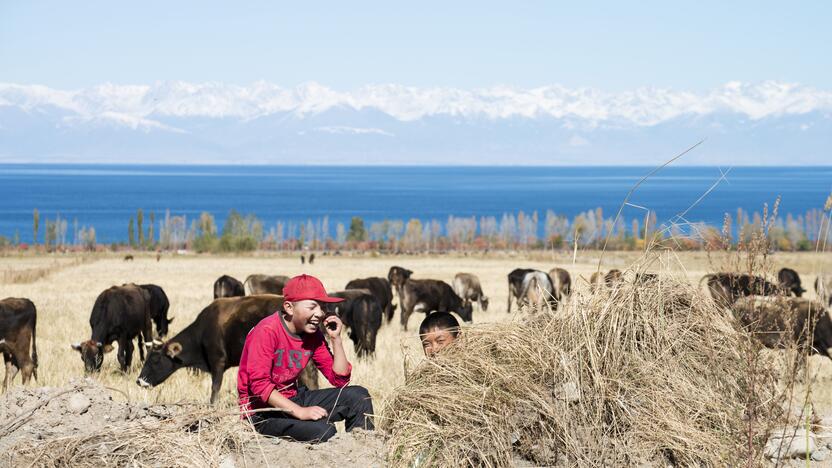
[[276, 351], [437, 331]]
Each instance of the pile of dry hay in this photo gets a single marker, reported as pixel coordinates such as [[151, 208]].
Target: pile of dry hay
[[640, 374], [203, 437]]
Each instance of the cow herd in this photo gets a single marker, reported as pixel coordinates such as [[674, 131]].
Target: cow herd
[[214, 341]]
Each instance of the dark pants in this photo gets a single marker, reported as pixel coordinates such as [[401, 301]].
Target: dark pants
[[349, 404]]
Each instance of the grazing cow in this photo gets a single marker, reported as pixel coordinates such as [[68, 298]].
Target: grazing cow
[[789, 280], [212, 343], [18, 318], [726, 288], [158, 308], [128, 258], [613, 277], [561, 282], [823, 287], [361, 312], [311, 258], [431, 295], [776, 320], [265, 284], [467, 286], [120, 313], [537, 289], [515, 285], [228, 286], [380, 288]]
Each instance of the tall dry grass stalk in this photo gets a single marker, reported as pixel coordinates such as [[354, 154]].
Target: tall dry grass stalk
[[613, 379]]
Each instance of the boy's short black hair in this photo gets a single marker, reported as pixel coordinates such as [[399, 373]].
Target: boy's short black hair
[[440, 321]]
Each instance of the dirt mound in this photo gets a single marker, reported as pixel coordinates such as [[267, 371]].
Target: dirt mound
[[81, 425]]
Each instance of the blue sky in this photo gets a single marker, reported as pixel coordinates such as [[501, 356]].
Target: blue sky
[[612, 46]]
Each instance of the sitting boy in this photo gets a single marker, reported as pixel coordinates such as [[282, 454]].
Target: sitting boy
[[276, 351], [437, 331]]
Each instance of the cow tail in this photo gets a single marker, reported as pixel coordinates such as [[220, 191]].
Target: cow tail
[[34, 345]]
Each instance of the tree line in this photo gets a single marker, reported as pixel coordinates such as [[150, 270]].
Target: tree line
[[591, 229]]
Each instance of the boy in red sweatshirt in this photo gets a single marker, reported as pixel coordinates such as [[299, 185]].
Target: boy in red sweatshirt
[[276, 351]]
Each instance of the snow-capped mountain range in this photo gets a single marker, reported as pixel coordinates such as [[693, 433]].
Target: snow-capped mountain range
[[206, 123]]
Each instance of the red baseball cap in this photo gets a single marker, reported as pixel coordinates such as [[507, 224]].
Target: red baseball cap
[[305, 287]]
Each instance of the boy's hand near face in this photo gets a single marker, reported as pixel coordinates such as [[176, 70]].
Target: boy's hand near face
[[333, 326]]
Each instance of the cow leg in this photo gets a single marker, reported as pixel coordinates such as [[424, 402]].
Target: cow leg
[[407, 309], [125, 353], [21, 360], [508, 310], [216, 380], [141, 347], [10, 371]]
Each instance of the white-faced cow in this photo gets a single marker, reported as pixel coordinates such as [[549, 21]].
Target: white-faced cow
[[427, 295], [380, 288], [823, 287], [228, 286], [212, 343], [18, 319], [265, 284], [361, 313], [397, 277], [467, 286], [777, 320], [789, 280], [120, 314]]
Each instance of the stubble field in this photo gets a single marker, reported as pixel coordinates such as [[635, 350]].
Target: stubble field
[[64, 297]]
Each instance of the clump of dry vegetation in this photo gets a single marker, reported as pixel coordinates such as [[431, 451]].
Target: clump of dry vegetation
[[649, 372]]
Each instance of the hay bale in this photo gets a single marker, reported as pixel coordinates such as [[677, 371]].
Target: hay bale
[[614, 379]]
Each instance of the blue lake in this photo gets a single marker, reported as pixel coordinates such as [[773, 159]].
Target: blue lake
[[106, 196]]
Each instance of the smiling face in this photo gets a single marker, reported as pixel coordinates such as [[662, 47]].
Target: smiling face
[[435, 340], [303, 316]]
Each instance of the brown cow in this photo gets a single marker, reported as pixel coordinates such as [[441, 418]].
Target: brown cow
[[726, 288], [776, 320], [429, 295], [212, 343], [561, 282], [265, 284], [228, 286], [380, 288], [120, 313], [18, 319]]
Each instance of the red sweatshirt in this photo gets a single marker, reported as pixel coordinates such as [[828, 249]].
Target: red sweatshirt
[[272, 359]]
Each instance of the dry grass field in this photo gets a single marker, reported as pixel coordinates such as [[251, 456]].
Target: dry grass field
[[64, 298]]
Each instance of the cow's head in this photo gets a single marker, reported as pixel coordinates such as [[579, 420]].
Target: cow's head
[[162, 361], [398, 275], [466, 312], [92, 353]]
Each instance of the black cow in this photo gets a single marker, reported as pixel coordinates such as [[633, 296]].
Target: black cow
[[823, 287], [18, 319], [212, 343], [380, 288], [361, 312], [467, 286], [561, 282], [228, 286], [120, 313], [777, 320], [158, 308], [726, 288], [265, 284], [431, 295], [789, 280]]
